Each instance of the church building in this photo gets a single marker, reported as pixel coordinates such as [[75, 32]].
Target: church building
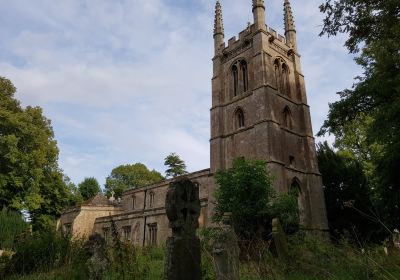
[[259, 111]]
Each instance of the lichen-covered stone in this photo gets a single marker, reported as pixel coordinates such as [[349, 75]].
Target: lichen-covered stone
[[226, 252], [279, 239]]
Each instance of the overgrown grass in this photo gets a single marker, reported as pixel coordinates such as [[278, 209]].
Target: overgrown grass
[[309, 258], [315, 259]]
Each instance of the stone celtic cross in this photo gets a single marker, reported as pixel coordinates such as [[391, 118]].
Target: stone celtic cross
[[183, 247]]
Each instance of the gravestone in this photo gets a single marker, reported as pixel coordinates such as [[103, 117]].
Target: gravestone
[[279, 240], [396, 239], [226, 251], [182, 261], [97, 264]]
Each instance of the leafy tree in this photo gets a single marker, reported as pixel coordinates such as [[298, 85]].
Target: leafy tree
[[30, 178], [130, 176], [89, 187], [347, 194], [176, 166], [75, 196], [373, 28], [246, 191]]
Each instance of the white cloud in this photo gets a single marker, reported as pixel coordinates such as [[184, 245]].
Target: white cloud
[[129, 80]]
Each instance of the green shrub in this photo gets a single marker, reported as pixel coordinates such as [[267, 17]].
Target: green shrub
[[246, 191], [45, 251], [12, 225]]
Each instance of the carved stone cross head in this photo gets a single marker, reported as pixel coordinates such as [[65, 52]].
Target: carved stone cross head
[[183, 206]]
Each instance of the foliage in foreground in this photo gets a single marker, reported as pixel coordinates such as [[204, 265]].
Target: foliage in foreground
[[371, 109], [347, 196], [30, 178], [246, 191], [12, 225], [49, 255], [309, 258]]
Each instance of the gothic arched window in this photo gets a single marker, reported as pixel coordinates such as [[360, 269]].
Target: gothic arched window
[[235, 79], [287, 117], [239, 118], [295, 189], [133, 202], [239, 77], [282, 76], [151, 199], [277, 70], [244, 77], [285, 79]]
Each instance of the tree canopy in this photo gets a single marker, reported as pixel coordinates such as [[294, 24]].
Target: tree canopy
[[89, 187], [30, 178], [130, 176], [347, 195], [373, 104], [176, 166]]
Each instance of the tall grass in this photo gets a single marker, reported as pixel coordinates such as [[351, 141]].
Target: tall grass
[[44, 252], [311, 258]]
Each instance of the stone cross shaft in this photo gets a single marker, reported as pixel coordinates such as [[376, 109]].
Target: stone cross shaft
[[182, 204]]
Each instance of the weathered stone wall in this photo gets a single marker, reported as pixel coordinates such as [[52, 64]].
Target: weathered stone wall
[[81, 219], [146, 214]]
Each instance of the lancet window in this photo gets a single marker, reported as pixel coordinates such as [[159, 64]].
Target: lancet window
[[235, 80], [151, 199], [282, 76], [240, 77], [244, 76], [126, 233], [152, 234], [133, 202], [239, 118], [287, 117]]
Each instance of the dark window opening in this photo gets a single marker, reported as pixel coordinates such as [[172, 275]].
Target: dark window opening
[[285, 80], [243, 67], [106, 233], [287, 118], [235, 78], [291, 160], [133, 202], [277, 74], [151, 202], [240, 118]]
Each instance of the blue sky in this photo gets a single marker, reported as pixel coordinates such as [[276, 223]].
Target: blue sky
[[127, 81]]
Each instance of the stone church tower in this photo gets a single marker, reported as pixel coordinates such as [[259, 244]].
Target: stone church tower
[[259, 109]]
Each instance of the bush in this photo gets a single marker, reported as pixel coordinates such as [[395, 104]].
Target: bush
[[246, 191], [43, 252], [12, 225]]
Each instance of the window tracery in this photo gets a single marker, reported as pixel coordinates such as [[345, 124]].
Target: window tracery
[[282, 76], [240, 77]]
